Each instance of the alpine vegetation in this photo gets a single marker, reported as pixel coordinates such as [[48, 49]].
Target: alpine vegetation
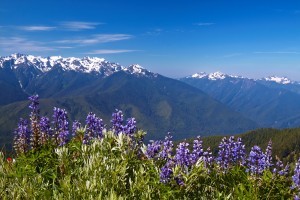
[[57, 159]]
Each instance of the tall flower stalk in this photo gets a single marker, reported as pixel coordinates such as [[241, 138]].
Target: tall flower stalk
[[61, 129], [34, 118], [21, 140]]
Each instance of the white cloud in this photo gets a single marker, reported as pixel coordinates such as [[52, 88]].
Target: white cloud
[[110, 51], [77, 25], [22, 45], [204, 24], [97, 39], [36, 28], [276, 52]]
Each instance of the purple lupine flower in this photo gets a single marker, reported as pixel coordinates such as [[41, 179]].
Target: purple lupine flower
[[182, 156], [94, 128], [34, 117], [34, 105], [76, 125], [21, 140], [130, 127], [197, 150], [239, 152], [280, 169], [207, 158], [256, 161], [153, 149], [117, 121], [179, 180], [225, 153], [167, 147], [285, 170], [61, 126], [296, 176], [268, 155], [231, 152], [297, 197], [166, 172], [45, 130]]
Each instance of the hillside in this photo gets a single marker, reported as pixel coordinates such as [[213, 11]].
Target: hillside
[[286, 142], [268, 103], [159, 104]]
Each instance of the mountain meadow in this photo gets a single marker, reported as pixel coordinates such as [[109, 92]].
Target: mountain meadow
[[64, 133], [94, 161]]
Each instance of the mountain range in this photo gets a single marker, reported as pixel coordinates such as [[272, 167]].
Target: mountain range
[[81, 85], [270, 102]]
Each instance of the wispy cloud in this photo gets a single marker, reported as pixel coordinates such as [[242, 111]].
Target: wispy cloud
[[154, 32], [19, 44], [110, 51], [96, 39], [276, 52], [204, 24], [36, 28], [78, 25]]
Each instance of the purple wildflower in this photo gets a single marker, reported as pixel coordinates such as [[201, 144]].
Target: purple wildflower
[[94, 128], [45, 130], [280, 169], [207, 158], [197, 150], [224, 158], [166, 172], [76, 125], [34, 103], [296, 176], [117, 121], [153, 149], [182, 156], [179, 180], [21, 140], [256, 161], [167, 148], [130, 127], [268, 155], [231, 152], [239, 152], [61, 129], [34, 117]]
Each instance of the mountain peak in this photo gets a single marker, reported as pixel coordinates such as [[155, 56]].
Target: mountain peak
[[198, 75], [211, 76], [217, 75], [83, 65], [281, 80], [138, 70]]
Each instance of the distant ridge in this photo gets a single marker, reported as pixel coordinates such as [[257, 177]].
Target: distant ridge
[[85, 85], [271, 101]]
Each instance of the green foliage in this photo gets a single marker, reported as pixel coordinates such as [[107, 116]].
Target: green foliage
[[115, 168], [286, 142]]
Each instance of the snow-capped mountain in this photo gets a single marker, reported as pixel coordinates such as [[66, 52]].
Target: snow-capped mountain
[[84, 65], [86, 85], [271, 101], [281, 80], [212, 76], [220, 76]]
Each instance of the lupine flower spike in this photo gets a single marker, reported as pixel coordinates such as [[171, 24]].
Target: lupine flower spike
[[34, 117], [21, 140], [61, 126]]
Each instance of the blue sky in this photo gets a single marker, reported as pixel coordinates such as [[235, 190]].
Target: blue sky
[[175, 38]]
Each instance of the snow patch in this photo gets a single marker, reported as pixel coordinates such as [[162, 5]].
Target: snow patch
[[281, 80]]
